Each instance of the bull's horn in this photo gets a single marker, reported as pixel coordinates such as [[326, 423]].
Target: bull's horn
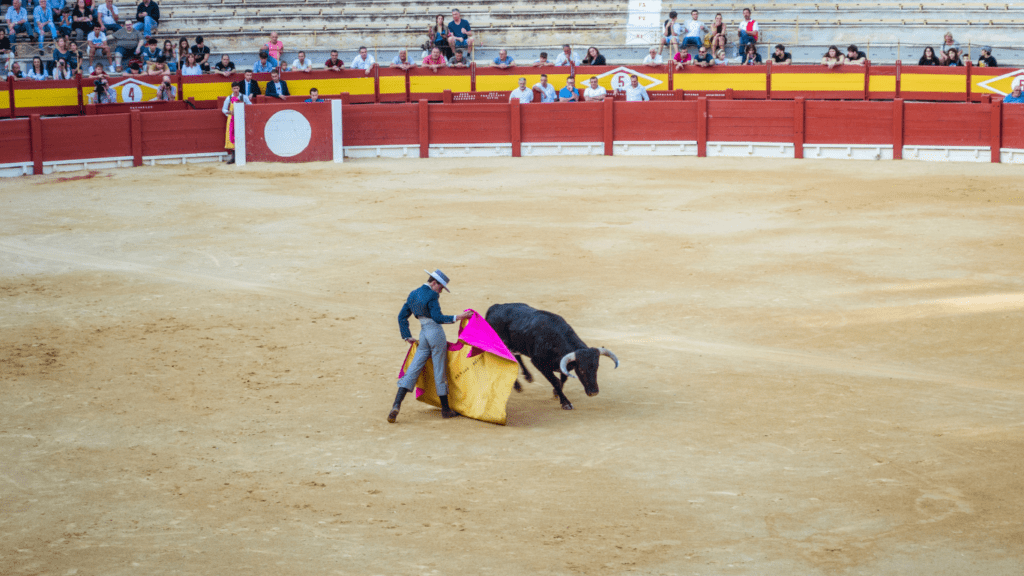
[[570, 357], [608, 353]]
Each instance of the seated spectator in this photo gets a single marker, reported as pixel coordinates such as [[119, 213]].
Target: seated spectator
[[61, 70], [436, 60], [98, 43], [60, 50], [277, 88], [695, 30], [401, 60], [249, 87], [81, 20], [459, 33], [437, 35], [720, 59], [149, 51], [147, 17], [108, 16], [158, 66], [17, 21], [634, 92], [76, 56], [1014, 97], [225, 67], [301, 64], [263, 65], [986, 58], [594, 93], [191, 67], [682, 59], [314, 97], [42, 18], [134, 65], [65, 25], [6, 54], [594, 58], [334, 63], [166, 92], [953, 58], [126, 42], [14, 71], [169, 58], [672, 29], [37, 71], [703, 59], [832, 57], [547, 91], [184, 50], [459, 60], [202, 53], [855, 56], [274, 48], [748, 30], [751, 56], [521, 93], [543, 60], [569, 93], [102, 92], [719, 34], [928, 58], [364, 61], [781, 57], [503, 60], [947, 44], [567, 57], [652, 58]]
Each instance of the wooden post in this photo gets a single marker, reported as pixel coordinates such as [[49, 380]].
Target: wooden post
[[376, 84], [35, 125], [424, 129], [969, 87], [897, 129], [472, 76], [135, 123], [997, 131], [798, 127], [728, 93], [447, 98], [516, 112], [671, 76], [81, 97], [609, 126], [346, 98], [702, 126], [181, 91], [899, 72], [10, 95], [768, 80], [408, 87], [867, 78]]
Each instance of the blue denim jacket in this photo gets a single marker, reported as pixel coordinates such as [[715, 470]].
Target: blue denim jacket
[[421, 302]]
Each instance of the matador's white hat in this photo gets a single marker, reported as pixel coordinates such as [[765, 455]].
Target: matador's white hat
[[440, 277]]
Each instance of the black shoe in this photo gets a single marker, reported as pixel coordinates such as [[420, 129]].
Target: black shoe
[[446, 410], [398, 404], [393, 415]]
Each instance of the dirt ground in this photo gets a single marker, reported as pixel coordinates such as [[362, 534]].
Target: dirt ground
[[822, 370]]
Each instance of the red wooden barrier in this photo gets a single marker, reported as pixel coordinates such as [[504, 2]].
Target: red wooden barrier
[[848, 122], [563, 122], [665, 121], [15, 141], [744, 121], [182, 132], [946, 124], [470, 124], [1013, 126], [84, 137], [381, 125]]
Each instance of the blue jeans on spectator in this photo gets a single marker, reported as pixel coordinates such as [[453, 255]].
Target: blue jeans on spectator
[[147, 26], [111, 28], [24, 29], [53, 33], [746, 39], [695, 40], [172, 66]]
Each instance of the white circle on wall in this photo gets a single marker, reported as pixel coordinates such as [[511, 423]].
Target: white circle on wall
[[131, 92], [287, 133]]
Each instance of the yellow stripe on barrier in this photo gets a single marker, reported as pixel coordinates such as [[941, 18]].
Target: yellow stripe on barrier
[[755, 82], [332, 86], [27, 98], [946, 83], [881, 83], [1005, 85], [5, 100], [511, 82], [422, 84], [205, 90], [818, 82], [392, 84]]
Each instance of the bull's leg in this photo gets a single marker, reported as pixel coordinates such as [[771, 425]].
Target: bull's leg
[[557, 385], [529, 377]]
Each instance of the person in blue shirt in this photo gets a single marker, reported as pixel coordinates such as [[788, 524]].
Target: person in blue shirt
[[423, 303], [43, 17], [264, 64], [504, 60], [1015, 97], [569, 93], [17, 21], [459, 33], [314, 96]]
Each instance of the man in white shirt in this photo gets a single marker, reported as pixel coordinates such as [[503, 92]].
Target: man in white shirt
[[98, 43], [694, 31], [547, 91], [749, 31], [635, 92], [301, 64], [522, 93], [107, 16], [566, 57], [653, 59], [594, 93], [363, 61]]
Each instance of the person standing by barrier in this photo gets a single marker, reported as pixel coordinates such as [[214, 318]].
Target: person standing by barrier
[[547, 91], [423, 303], [521, 93], [569, 93], [634, 92], [229, 111]]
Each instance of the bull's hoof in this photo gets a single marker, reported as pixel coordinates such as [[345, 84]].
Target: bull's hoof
[[567, 406], [518, 386], [393, 416]]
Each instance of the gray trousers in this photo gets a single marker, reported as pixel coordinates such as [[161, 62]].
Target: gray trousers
[[433, 344]]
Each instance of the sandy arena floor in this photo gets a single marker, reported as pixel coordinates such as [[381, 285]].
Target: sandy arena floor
[[822, 369]]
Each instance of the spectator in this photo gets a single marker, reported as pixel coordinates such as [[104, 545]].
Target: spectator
[[37, 71], [522, 93], [751, 56], [438, 35], [595, 93], [703, 59], [43, 18], [542, 60], [503, 60], [781, 57], [855, 56], [947, 44], [436, 60], [149, 50], [635, 92], [682, 59], [653, 58], [17, 21], [748, 30], [695, 30], [720, 59], [277, 88], [166, 92], [547, 91], [202, 52], [102, 92], [594, 58], [334, 63], [569, 93], [127, 42], [61, 70], [364, 61], [566, 57], [236, 97], [301, 64], [81, 20], [986, 58], [107, 16], [98, 43], [76, 56], [1014, 97], [60, 50], [15, 71], [719, 34], [928, 58], [401, 60], [249, 87], [263, 65], [158, 66], [459, 33], [953, 58], [314, 97], [671, 30], [148, 17], [191, 67], [66, 23], [225, 67], [168, 54], [274, 48], [183, 52], [459, 60]]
